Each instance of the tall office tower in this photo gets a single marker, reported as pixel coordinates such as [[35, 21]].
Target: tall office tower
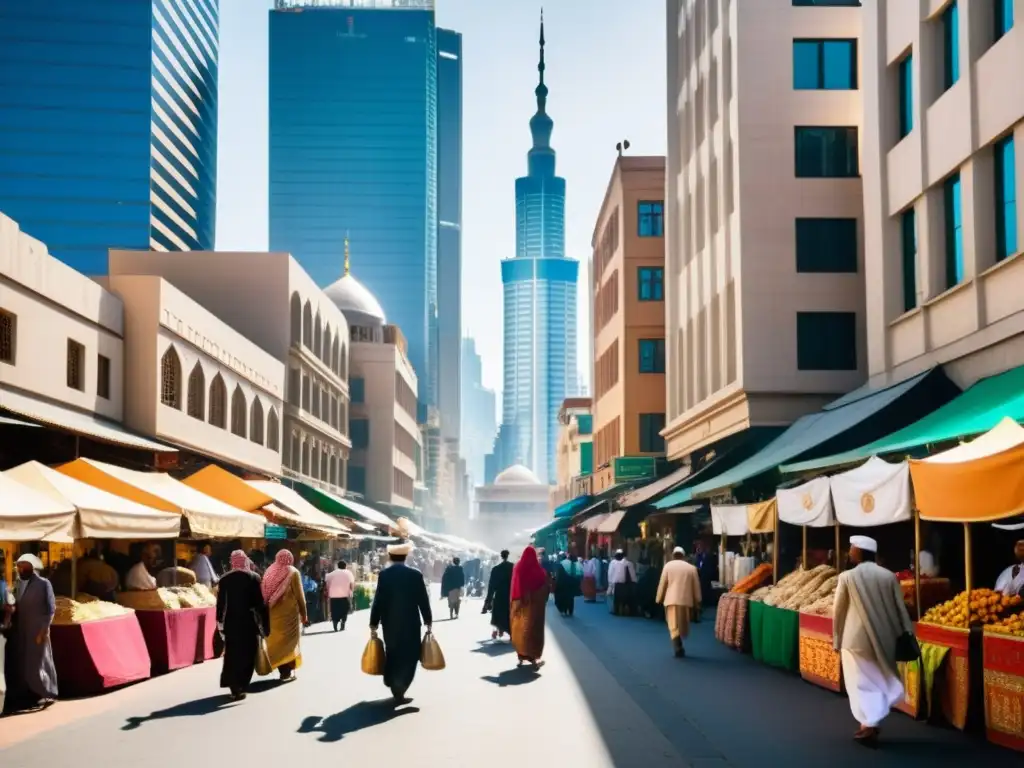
[[763, 280], [540, 304], [479, 409], [449, 231], [108, 125], [353, 151]]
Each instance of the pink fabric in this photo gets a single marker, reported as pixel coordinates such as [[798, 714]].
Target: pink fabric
[[275, 580], [339, 583], [239, 561]]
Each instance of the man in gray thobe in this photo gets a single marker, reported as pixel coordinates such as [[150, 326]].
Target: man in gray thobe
[[32, 677]]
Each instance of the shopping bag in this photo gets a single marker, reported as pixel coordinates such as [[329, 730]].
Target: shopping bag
[[373, 655], [218, 644], [263, 667], [430, 653]]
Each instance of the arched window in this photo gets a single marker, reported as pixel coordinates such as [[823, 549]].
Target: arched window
[[296, 318], [323, 466], [273, 429], [170, 378], [218, 402], [305, 457], [296, 452], [327, 351], [239, 412], [317, 337], [307, 325], [197, 393], [256, 421], [314, 463], [335, 356], [334, 470], [343, 362]]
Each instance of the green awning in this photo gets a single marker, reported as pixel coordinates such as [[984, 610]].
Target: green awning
[[572, 506], [855, 418], [976, 411], [556, 525], [339, 507]]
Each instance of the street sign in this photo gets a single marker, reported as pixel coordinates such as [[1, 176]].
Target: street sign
[[634, 468], [275, 532]]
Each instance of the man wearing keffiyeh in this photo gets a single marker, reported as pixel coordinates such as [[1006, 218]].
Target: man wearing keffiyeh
[[243, 619]]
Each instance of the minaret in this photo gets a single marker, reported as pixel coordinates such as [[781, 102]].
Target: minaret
[[348, 266], [541, 157]]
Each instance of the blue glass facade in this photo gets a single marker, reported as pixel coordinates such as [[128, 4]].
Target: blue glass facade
[[540, 305], [108, 124], [353, 151]]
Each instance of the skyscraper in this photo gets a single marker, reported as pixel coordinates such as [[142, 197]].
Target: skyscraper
[[353, 150], [449, 230], [108, 124], [479, 423], [540, 303]]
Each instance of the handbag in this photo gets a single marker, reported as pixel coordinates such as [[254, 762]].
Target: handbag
[[373, 655], [263, 665], [431, 657], [907, 647]]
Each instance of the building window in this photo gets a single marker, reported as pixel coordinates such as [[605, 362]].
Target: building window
[[76, 365], [357, 390], [8, 335], [197, 393], [1006, 198], [651, 283], [826, 245], [170, 379], [954, 231], [1003, 17], [908, 236], [357, 479], [273, 430], [906, 91], [826, 152], [294, 386], [826, 341], [651, 218], [652, 355], [256, 421], [825, 65], [103, 377], [586, 458], [239, 411], [585, 424], [218, 402], [360, 433], [306, 390], [296, 319], [951, 45], [651, 440]]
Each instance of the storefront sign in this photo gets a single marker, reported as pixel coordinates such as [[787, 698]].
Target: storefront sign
[[633, 468], [275, 532]]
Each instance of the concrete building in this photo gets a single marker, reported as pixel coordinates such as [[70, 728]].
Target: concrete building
[[629, 316], [385, 437], [943, 185], [764, 280], [281, 310], [516, 501], [195, 382], [575, 461]]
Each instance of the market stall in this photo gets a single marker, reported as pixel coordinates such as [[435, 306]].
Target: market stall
[[978, 481], [735, 622]]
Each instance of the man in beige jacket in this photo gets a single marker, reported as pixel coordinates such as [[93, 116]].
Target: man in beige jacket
[[679, 592]]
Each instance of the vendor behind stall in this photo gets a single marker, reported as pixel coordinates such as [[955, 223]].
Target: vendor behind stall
[[1011, 581], [96, 578], [140, 577], [203, 568]]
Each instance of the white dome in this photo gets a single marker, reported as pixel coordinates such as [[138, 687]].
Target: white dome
[[355, 301], [517, 474]]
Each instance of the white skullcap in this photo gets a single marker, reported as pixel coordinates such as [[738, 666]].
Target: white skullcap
[[619, 552], [864, 542], [32, 560], [678, 551]]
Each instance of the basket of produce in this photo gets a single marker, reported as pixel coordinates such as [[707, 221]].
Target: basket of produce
[[162, 599], [982, 608], [176, 577], [85, 608], [756, 579]]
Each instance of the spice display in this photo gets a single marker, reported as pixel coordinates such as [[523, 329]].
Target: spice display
[[754, 580], [984, 607], [85, 608], [810, 591]]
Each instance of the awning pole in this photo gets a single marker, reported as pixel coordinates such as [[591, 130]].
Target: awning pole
[[968, 566], [775, 546], [917, 561], [803, 557], [74, 569], [837, 544]]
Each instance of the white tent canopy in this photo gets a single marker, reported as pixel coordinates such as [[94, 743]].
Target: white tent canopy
[[875, 493], [730, 519], [101, 515], [304, 513], [808, 505], [28, 515]]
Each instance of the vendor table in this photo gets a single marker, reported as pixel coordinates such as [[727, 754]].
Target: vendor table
[[207, 629], [819, 661], [1004, 689], [774, 636], [174, 638], [954, 695], [99, 655], [910, 674]]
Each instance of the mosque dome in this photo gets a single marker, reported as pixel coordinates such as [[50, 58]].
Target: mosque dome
[[359, 306], [517, 474]]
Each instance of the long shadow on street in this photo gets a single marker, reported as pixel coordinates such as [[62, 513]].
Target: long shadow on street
[[365, 714], [198, 707]]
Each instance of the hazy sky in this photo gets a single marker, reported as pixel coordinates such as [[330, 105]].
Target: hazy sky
[[606, 75]]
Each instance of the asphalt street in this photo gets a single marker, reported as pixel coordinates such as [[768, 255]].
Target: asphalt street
[[609, 694]]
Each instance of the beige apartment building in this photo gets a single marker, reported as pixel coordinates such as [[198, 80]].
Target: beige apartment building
[[764, 267], [628, 297], [574, 458], [382, 384], [943, 163], [270, 300]]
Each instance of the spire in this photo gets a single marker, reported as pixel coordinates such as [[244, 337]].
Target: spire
[[541, 158], [541, 90], [347, 264]]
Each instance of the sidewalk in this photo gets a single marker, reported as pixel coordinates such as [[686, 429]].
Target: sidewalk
[[721, 708]]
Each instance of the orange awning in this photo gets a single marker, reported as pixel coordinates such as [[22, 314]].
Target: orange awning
[[979, 481]]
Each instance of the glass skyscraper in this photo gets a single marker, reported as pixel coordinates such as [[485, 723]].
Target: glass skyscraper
[[353, 152], [540, 304], [108, 124]]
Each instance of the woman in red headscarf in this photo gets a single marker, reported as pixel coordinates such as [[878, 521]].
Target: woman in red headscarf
[[529, 598]]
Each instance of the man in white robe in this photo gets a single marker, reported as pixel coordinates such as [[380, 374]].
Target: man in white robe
[[869, 619], [1011, 581]]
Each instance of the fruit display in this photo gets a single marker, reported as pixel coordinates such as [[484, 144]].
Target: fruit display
[[196, 596], [1012, 624], [983, 607], [757, 578], [85, 608]]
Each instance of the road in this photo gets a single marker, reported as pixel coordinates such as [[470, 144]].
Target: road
[[609, 694]]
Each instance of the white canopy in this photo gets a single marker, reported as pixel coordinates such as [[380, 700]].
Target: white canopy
[[875, 493], [101, 515], [28, 515], [730, 519], [808, 505], [305, 513], [1003, 436], [207, 517]]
